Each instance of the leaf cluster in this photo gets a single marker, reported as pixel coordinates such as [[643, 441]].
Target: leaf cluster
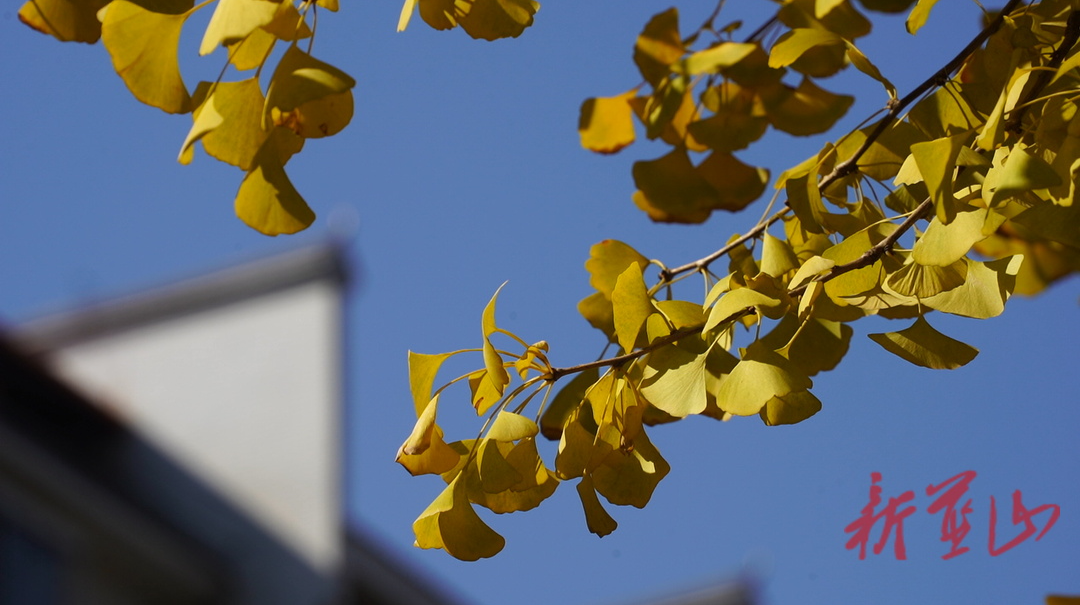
[[959, 195], [238, 122]]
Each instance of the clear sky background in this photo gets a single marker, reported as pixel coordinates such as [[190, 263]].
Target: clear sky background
[[462, 169]]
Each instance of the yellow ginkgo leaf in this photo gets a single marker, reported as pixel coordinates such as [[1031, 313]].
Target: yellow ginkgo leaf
[[451, 523], [735, 184], [65, 20], [671, 190], [493, 362], [790, 409], [796, 42], [267, 200], [300, 79], [438, 458], [143, 46], [806, 110], [596, 518], [606, 124], [423, 368], [319, 118], [659, 46], [674, 381], [631, 306], [943, 245], [630, 477], [984, 293], [495, 19], [509, 426], [227, 119], [919, 15], [760, 375], [924, 346], [234, 20]]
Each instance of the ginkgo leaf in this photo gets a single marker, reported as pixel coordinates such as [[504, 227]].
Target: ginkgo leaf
[[65, 20], [234, 20], [606, 124], [422, 370], [805, 110], [420, 438], [485, 391], [671, 189], [736, 185], [509, 426], [407, 11], [251, 52], [924, 346], [451, 523], [813, 267], [1019, 172], [859, 60], [984, 292], [630, 477], [812, 345], [301, 79], [437, 459], [330, 5], [322, 117], [578, 446], [1054, 222], [597, 519], [674, 381], [681, 313], [760, 375], [738, 118], [495, 19], [943, 245], [535, 484], [439, 14], [631, 305], [227, 120], [267, 200], [796, 42], [608, 260], [790, 409], [288, 24], [937, 161], [777, 257], [596, 309], [924, 281], [736, 301], [493, 362], [496, 474], [659, 46], [715, 58], [143, 46], [919, 15]]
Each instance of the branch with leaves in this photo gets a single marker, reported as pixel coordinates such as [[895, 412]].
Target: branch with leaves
[[980, 155], [959, 196]]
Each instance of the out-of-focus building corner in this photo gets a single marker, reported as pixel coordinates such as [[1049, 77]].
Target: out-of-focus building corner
[[184, 445]]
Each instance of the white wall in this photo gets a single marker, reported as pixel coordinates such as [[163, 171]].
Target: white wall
[[247, 396]]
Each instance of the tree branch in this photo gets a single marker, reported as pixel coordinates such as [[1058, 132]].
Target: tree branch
[[895, 108]]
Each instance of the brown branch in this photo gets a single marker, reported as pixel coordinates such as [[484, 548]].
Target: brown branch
[[867, 258]]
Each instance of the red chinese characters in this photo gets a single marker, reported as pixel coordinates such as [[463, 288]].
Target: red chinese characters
[[954, 523]]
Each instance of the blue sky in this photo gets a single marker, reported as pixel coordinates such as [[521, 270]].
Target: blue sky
[[461, 170]]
